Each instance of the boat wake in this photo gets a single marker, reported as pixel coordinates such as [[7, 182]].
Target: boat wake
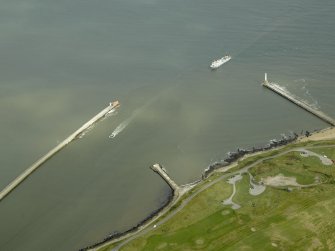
[[135, 113], [120, 128], [302, 85], [308, 98], [313, 102]]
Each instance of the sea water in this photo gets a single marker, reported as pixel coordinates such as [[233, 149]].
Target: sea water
[[64, 61]]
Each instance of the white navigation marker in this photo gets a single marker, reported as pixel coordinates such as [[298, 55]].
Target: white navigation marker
[[266, 77]]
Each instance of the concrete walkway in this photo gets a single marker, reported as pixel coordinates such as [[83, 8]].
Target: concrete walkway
[[306, 153], [232, 180]]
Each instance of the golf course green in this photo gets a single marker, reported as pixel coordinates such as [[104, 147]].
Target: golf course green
[[294, 212]]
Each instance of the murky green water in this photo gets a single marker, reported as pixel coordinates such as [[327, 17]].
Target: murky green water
[[63, 61]]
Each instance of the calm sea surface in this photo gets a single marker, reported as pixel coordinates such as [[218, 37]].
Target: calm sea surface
[[61, 62]]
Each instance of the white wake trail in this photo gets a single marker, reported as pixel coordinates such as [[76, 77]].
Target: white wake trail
[[125, 123], [120, 128], [308, 96]]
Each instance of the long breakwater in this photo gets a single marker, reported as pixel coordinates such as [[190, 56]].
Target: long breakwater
[[16, 182], [277, 89]]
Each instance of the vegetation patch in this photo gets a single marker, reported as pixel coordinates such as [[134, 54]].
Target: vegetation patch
[[277, 219]]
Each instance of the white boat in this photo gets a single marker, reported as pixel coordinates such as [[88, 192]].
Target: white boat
[[217, 63]]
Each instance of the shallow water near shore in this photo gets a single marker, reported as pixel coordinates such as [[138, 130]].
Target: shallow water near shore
[[62, 62]]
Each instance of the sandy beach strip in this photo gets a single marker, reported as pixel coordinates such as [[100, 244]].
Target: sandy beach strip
[[325, 134]]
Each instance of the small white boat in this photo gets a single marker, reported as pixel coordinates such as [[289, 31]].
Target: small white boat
[[217, 63]]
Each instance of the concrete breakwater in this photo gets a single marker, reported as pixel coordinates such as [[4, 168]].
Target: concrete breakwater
[[9, 188], [277, 89], [162, 172]]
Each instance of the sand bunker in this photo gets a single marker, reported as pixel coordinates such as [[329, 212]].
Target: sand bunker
[[200, 242], [255, 189], [225, 212], [280, 180]]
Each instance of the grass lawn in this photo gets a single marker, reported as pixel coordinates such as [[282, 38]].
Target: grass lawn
[[326, 151], [305, 169], [274, 220]]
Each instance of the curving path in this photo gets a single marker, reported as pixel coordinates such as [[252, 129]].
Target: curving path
[[324, 159], [230, 201]]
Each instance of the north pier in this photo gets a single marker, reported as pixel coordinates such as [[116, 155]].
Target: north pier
[[9, 188], [299, 102], [162, 172]]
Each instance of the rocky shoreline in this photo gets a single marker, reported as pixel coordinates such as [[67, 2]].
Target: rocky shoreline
[[234, 156], [117, 234]]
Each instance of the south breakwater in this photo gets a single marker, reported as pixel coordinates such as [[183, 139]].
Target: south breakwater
[[11, 186]]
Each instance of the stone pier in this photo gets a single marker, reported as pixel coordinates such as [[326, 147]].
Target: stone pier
[[162, 172]]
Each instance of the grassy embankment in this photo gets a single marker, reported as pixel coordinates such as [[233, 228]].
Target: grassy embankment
[[276, 219]]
